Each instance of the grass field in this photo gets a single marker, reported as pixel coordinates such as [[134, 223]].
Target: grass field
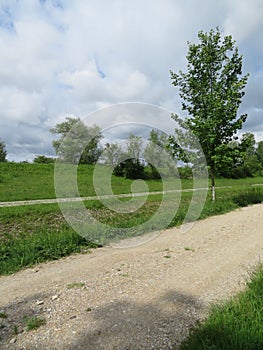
[[36, 233], [21, 181]]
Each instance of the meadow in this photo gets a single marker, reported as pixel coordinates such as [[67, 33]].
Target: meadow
[[36, 233]]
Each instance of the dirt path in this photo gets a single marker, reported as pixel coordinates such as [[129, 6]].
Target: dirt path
[[138, 298]]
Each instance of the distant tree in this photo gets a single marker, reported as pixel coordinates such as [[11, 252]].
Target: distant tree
[[251, 163], [3, 152], [131, 166], [112, 153], [77, 142], [157, 154], [240, 158], [134, 147], [247, 144], [259, 152], [211, 91], [42, 159]]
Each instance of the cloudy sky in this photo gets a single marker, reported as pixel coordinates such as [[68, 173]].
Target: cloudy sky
[[63, 57]]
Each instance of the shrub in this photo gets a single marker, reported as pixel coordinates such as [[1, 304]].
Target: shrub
[[252, 196], [130, 169]]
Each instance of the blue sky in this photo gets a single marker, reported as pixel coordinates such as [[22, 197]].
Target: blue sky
[[62, 57]]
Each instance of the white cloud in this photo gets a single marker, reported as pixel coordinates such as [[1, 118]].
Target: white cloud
[[53, 53], [244, 18], [21, 106]]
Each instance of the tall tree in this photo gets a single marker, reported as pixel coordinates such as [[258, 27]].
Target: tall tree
[[157, 154], [112, 153], [251, 163], [259, 152], [3, 152], [211, 91], [77, 142], [130, 165]]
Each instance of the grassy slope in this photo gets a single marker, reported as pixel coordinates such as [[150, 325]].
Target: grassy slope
[[233, 325], [36, 181], [30, 234]]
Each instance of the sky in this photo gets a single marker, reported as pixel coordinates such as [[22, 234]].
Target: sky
[[62, 58]]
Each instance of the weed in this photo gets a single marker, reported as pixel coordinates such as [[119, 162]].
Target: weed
[[189, 249], [35, 322], [75, 285], [3, 315], [15, 330]]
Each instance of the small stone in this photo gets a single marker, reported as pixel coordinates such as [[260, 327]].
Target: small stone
[[13, 340], [54, 297], [72, 317], [40, 302]]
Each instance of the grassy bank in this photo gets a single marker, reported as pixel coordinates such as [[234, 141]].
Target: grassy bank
[[32, 234], [233, 325], [20, 181]]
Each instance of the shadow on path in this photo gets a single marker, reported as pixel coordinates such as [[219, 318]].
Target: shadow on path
[[123, 325]]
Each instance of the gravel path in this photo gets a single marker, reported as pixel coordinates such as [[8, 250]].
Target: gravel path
[[145, 297]]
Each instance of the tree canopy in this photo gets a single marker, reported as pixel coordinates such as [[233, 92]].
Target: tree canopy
[[78, 143], [3, 152], [211, 91]]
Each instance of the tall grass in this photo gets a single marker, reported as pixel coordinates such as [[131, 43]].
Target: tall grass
[[250, 196], [26, 250], [233, 325]]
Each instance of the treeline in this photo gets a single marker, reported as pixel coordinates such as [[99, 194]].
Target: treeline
[[137, 159], [241, 158]]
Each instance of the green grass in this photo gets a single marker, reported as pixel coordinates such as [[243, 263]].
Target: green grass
[[19, 181], [38, 233], [35, 322], [233, 325], [75, 285], [30, 235], [250, 196]]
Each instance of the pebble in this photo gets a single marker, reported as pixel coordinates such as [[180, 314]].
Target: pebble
[[13, 340], [40, 302], [54, 297]]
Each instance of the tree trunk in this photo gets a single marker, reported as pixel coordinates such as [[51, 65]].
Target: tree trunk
[[213, 185]]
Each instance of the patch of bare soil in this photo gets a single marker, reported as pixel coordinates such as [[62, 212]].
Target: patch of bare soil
[[142, 297]]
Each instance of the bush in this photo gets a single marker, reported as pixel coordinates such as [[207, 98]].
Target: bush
[[185, 172], [43, 160], [130, 169], [253, 196]]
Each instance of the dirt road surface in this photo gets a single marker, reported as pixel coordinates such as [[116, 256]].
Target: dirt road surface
[[136, 298]]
